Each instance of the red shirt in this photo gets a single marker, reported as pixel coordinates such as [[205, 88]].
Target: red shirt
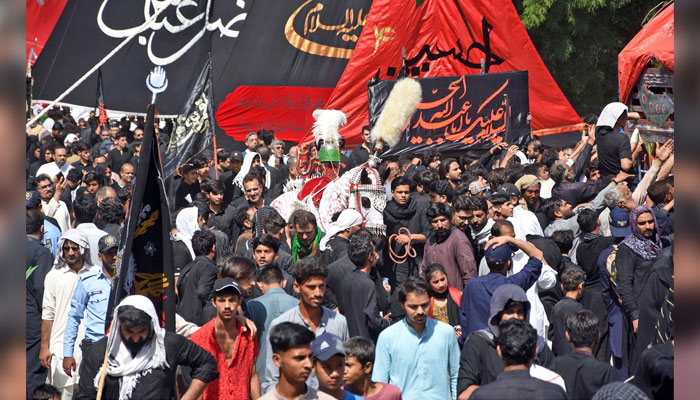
[[234, 378]]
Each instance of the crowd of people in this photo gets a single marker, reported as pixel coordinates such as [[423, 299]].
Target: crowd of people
[[516, 272]]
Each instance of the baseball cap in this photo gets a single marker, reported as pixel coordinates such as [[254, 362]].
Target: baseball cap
[[501, 253], [476, 187], [509, 190], [187, 168], [225, 283], [70, 138], [498, 198], [326, 345], [619, 222], [236, 156], [33, 199], [57, 126], [106, 243]]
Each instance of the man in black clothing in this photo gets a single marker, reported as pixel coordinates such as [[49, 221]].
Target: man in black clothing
[[235, 165], [582, 373], [334, 244], [591, 245], [120, 154], [275, 225], [73, 179], [39, 261], [661, 194], [404, 212], [189, 187], [358, 291], [84, 163], [517, 347], [222, 214], [360, 154], [480, 363], [144, 358], [614, 151], [572, 283], [196, 282], [266, 251]]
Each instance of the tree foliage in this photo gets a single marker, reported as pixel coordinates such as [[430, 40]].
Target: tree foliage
[[579, 41]]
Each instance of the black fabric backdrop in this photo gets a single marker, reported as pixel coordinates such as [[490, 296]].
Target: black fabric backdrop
[[461, 112]]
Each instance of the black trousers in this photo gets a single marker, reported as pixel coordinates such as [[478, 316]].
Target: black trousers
[[36, 374]]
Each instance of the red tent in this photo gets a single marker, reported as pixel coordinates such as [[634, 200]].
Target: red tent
[[445, 38], [654, 40]]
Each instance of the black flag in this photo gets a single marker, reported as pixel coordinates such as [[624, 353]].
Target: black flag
[[194, 127], [145, 257]]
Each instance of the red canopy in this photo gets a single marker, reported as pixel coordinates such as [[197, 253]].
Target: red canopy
[[655, 39], [446, 38]]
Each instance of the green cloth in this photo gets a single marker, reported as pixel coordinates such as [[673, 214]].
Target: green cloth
[[329, 155], [300, 251]]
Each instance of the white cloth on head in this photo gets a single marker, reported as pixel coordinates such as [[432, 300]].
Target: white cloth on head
[[151, 356], [245, 168], [187, 224], [78, 237], [610, 114], [347, 219]]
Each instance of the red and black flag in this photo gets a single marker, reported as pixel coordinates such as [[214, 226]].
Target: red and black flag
[[101, 100], [145, 257]]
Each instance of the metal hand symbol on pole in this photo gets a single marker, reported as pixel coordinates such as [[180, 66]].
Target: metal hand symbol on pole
[[156, 82]]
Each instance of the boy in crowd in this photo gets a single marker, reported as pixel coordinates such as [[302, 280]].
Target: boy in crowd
[[582, 373], [329, 363], [359, 362], [291, 353], [572, 280]]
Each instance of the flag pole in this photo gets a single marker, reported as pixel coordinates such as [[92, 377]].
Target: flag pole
[[98, 65], [216, 160], [105, 362]]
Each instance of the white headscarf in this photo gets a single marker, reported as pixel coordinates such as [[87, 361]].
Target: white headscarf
[[78, 237], [187, 224], [151, 356], [347, 219], [245, 168], [610, 114]]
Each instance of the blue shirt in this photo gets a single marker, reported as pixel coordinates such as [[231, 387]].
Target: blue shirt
[[51, 235], [91, 293], [262, 311], [350, 396], [424, 367], [475, 306]]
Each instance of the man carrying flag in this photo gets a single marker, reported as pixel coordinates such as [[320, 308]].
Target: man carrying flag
[[142, 358]]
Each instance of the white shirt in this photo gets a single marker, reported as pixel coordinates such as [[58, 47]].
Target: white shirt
[[546, 188], [542, 373], [525, 223], [93, 234], [51, 169], [57, 210]]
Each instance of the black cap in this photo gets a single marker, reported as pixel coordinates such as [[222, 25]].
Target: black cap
[[57, 126], [33, 199], [509, 190], [188, 168], [106, 243], [236, 156], [225, 283]]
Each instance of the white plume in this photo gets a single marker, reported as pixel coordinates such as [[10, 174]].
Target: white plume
[[327, 124], [398, 108]]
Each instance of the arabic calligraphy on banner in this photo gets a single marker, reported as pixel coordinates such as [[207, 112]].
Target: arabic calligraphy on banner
[[314, 31], [284, 109], [188, 20], [460, 112]]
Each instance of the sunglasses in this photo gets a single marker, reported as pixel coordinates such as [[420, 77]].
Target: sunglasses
[[68, 249]]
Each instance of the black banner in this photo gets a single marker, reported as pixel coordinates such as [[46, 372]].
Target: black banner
[[461, 112], [252, 42], [101, 109], [145, 257], [178, 40], [193, 130]]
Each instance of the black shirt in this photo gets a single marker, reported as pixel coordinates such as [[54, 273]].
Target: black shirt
[[117, 157], [360, 306], [195, 288], [181, 199], [336, 248], [224, 219], [518, 385], [583, 374], [358, 156], [557, 327], [612, 147], [156, 384], [39, 262]]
